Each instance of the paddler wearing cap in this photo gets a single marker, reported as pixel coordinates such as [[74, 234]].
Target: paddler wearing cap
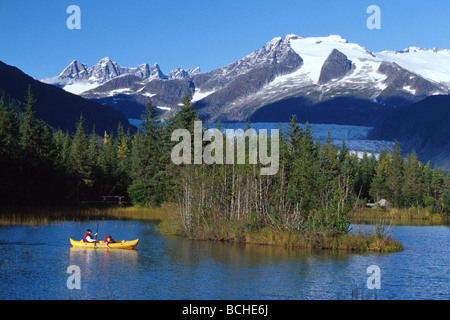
[[88, 238]]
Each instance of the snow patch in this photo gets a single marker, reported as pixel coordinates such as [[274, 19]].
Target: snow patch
[[430, 64], [148, 94], [199, 95], [315, 50], [119, 91], [80, 87], [409, 89]]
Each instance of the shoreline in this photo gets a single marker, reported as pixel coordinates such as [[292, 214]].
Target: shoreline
[[36, 215], [317, 240], [396, 216], [235, 231]]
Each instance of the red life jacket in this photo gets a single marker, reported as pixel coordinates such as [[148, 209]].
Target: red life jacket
[[85, 236], [106, 240]]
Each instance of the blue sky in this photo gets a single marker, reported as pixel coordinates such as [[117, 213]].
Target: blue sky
[[208, 34]]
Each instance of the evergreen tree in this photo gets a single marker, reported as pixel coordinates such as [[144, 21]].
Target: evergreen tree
[[343, 153], [437, 182], [378, 187], [81, 165], [123, 149], [444, 196], [413, 181], [294, 132], [124, 161], [184, 119], [9, 153], [365, 175], [108, 164], [148, 169], [66, 153], [302, 180], [9, 131], [29, 141], [394, 178]]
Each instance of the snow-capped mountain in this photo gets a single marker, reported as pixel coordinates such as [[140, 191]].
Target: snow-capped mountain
[[78, 78], [179, 73], [58, 108], [315, 70], [315, 75]]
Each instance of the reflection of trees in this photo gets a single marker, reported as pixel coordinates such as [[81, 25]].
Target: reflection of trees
[[104, 272], [225, 270]]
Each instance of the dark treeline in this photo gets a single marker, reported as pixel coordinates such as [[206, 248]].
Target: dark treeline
[[316, 186], [40, 165]]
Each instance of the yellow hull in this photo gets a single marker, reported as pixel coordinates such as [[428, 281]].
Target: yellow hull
[[102, 245]]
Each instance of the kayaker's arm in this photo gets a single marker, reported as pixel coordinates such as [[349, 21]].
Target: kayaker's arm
[[89, 239]]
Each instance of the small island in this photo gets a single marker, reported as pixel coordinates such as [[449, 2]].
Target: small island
[[309, 202]]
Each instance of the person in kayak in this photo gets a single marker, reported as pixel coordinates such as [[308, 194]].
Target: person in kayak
[[88, 238], [108, 240]]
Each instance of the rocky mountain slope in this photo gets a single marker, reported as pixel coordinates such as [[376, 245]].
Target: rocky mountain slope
[[58, 108], [287, 75]]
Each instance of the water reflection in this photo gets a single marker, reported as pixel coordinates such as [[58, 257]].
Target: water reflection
[[88, 255], [163, 267], [246, 255], [226, 271]]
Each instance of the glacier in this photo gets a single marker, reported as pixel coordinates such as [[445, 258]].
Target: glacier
[[355, 137]]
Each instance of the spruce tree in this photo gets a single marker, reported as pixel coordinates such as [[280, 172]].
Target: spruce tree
[[413, 181], [9, 153], [9, 131], [184, 119], [378, 188], [437, 181], [28, 127], [148, 169], [394, 178], [81, 161]]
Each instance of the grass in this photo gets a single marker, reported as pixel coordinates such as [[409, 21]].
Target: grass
[[377, 240], [28, 215], [234, 232], [396, 216]]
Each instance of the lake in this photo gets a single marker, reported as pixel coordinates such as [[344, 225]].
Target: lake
[[34, 262]]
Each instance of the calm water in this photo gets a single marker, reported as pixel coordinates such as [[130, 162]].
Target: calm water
[[34, 262]]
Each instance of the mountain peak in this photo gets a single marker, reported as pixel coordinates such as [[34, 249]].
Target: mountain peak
[[336, 66], [105, 59], [275, 40], [179, 73], [292, 61], [155, 72], [73, 70], [292, 36], [194, 71], [337, 38]]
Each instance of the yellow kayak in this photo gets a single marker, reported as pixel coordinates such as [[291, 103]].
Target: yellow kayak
[[101, 245]]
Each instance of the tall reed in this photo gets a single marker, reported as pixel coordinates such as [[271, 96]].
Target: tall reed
[[18, 215]]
